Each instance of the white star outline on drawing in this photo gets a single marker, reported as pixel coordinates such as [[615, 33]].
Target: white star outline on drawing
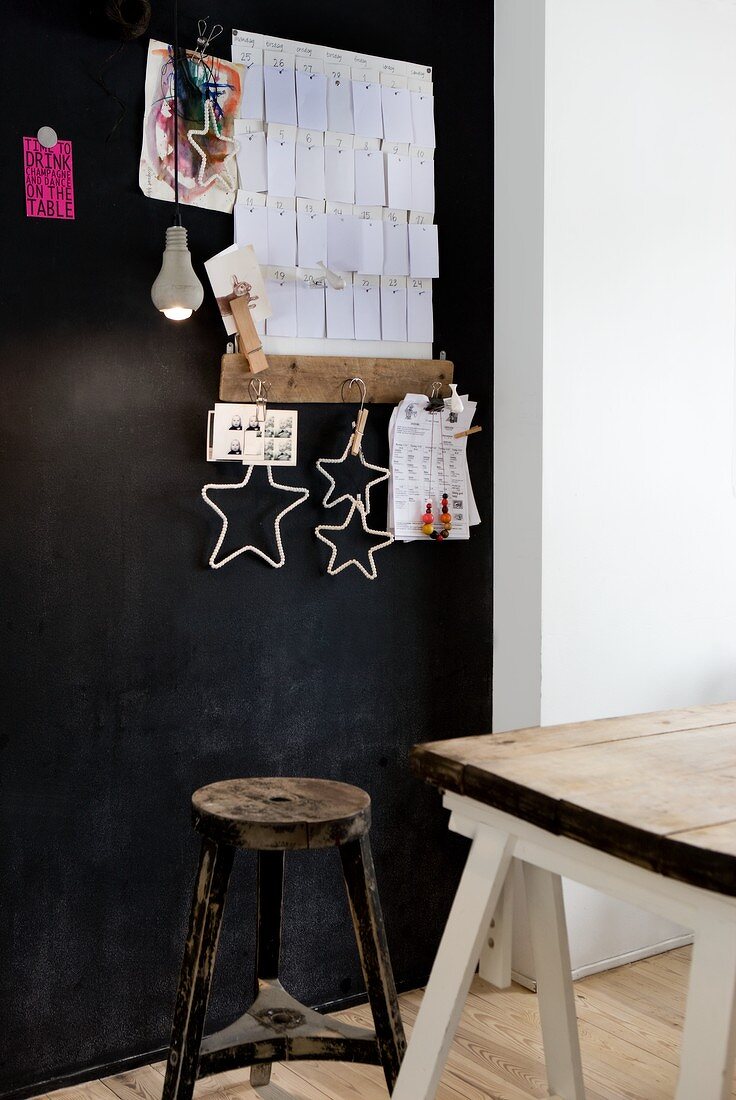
[[224, 177], [385, 475], [299, 490], [357, 503]]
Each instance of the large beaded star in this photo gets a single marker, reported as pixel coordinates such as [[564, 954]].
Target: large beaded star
[[357, 503], [300, 491], [224, 177], [322, 462]]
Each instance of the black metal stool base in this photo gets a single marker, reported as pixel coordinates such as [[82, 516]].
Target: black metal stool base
[[277, 1028]]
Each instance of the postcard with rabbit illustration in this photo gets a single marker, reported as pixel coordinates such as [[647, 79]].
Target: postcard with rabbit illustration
[[245, 433], [235, 273]]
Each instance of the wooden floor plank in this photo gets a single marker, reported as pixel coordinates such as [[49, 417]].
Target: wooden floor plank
[[630, 1027]]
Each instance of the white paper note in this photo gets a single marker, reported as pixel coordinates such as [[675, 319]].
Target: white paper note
[[252, 102], [423, 252], [343, 242], [398, 181], [339, 307], [339, 174], [281, 237], [280, 94], [252, 168], [281, 290], [251, 227], [396, 105], [311, 100], [395, 248], [422, 114], [370, 246], [367, 109], [393, 307], [422, 469], [340, 105], [422, 185], [280, 155], [419, 320], [310, 171], [311, 231], [370, 182], [310, 305], [367, 307]]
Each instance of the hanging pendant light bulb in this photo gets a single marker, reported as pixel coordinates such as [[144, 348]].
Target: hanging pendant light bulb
[[177, 291]]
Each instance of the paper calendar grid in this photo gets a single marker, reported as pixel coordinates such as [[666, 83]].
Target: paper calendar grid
[[337, 166]]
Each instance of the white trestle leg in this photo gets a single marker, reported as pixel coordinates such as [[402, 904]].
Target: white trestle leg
[[709, 1038], [437, 1020], [554, 983]]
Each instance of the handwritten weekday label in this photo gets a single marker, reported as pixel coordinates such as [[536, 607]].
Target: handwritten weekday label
[[49, 180]]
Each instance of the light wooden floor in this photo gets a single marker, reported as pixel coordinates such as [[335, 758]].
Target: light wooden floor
[[630, 1021]]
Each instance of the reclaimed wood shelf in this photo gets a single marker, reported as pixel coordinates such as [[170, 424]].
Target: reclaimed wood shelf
[[305, 378]]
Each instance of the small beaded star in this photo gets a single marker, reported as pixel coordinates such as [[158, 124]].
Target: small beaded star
[[300, 491], [357, 503], [321, 462], [224, 177]]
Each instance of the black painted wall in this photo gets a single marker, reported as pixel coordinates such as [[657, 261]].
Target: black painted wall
[[131, 674]]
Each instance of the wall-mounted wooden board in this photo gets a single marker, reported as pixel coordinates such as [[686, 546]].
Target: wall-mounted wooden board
[[299, 378]]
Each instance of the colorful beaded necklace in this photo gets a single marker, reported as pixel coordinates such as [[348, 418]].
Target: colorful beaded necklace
[[436, 405]]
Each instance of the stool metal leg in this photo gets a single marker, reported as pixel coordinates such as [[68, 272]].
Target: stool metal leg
[[195, 980], [270, 890], [365, 909]]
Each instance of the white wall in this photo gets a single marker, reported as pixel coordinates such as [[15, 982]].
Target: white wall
[[639, 518], [637, 604]]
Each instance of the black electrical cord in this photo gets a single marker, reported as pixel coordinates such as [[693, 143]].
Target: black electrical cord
[[177, 214]]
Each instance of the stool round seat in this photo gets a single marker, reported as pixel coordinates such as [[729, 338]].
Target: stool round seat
[[281, 813]]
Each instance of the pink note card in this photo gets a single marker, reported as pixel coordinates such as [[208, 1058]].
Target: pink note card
[[49, 181]]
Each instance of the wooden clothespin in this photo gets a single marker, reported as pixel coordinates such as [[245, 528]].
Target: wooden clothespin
[[250, 342], [469, 431], [356, 439], [358, 433]]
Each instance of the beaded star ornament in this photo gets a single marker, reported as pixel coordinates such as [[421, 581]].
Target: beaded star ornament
[[435, 408], [277, 563], [298, 490], [353, 447], [225, 177], [332, 569]]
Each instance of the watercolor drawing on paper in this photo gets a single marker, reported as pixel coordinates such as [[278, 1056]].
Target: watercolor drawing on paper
[[210, 91]]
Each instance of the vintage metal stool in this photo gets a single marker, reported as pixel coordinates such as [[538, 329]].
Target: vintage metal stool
[[273, 816]]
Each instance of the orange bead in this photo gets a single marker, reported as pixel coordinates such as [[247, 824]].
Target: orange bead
[[427, 528], [446, 517]]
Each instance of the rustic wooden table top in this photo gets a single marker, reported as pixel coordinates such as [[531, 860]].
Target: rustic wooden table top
[[658, 790]]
